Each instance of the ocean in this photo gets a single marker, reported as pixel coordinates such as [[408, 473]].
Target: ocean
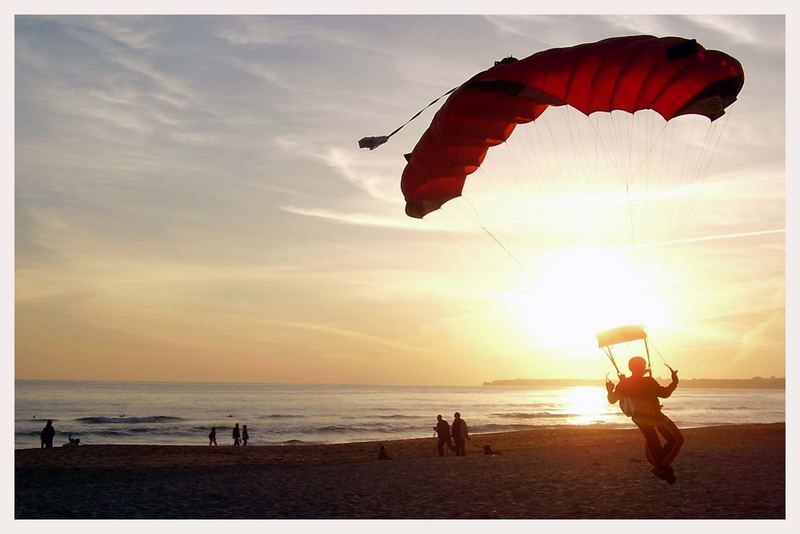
[[182, 414]]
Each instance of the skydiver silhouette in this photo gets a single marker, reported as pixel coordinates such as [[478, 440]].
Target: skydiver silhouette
[[640, 394]]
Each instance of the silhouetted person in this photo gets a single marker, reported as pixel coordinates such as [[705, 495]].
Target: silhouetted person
[[212, 436], [47, 435], [382, 453], [488, 451], [460, 434], [245, 435], [442, 430], [640, 394], [235, 434]]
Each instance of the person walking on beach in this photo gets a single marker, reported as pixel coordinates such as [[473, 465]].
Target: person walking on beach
[[460, 433], [245, 435], [235, 434], [47, 435], [638, 396], [212, 436], [442, 430]]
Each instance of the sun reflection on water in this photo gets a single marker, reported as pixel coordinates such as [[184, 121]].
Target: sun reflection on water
[[586, 405]]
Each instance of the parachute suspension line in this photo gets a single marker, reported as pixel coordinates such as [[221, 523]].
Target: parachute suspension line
[[529, 168], [533, 162], [662, 359], [691, 178], [714, 144], [471, 250], [375, 141], [683, 211], [504, 167], [681, 180], [606, 150], [630, 215], [610, 355], [645, 161], [497, 241], [581, 159], [520, 181]]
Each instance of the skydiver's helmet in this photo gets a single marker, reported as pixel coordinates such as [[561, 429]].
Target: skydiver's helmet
[[637, 365]]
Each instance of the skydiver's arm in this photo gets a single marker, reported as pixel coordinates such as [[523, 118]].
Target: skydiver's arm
[[613, 395], [666, 391]]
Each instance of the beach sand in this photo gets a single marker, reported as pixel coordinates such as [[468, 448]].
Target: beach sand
[[558, 473]]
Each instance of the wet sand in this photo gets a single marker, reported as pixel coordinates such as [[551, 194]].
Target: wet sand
[[560, 473]]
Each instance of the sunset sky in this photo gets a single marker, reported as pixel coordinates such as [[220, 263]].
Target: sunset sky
[[191, 205]]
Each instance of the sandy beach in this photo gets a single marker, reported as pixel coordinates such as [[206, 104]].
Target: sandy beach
[[557, 473]]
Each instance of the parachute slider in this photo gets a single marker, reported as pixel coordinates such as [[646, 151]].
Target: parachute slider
[[372, 142], [621, 334]]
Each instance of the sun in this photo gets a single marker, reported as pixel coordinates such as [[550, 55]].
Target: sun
[[572, 294]]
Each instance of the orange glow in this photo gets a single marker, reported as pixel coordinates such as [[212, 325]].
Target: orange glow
[[576, 293]]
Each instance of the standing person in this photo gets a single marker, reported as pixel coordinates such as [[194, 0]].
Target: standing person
[[245, 435], [460, 433], [638, 395], [235, 434], [442, 430], [47, 435], [212, 436]]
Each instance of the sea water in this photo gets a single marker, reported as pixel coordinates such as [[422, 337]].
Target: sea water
[[183, 414]]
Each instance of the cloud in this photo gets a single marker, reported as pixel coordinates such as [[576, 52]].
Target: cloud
[[358, 219], [134, 32], [747, 30], [337, 331]]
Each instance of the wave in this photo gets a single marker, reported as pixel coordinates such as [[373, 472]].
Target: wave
[[533, 415], [122, 419], [380, 427], [489, 427]]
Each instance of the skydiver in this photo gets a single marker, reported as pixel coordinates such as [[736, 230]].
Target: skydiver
[[641, 393]]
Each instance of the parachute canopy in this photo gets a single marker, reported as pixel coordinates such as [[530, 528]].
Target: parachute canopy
[[621, 334], [670, 75]]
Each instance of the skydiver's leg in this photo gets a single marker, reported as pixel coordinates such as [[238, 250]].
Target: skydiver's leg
[[652, 443], [673, 437]]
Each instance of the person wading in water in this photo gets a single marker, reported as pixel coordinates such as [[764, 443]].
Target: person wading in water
[[638, 397]]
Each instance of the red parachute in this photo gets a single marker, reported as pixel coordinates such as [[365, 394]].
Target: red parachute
[[670, 75]]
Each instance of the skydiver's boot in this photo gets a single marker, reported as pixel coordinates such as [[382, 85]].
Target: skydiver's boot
[[664, 473]]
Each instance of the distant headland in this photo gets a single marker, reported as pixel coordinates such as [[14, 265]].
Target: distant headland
[[756, 382]]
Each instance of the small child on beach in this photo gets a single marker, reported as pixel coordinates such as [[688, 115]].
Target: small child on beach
[[212, 436]]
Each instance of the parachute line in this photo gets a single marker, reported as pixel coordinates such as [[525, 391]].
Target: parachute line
[[375, 141]]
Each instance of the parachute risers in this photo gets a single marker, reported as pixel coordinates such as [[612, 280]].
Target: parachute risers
[[672, 76], [622, 334]]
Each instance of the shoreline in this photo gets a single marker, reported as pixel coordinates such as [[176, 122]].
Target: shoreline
[[301, 443], [732, 471]]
